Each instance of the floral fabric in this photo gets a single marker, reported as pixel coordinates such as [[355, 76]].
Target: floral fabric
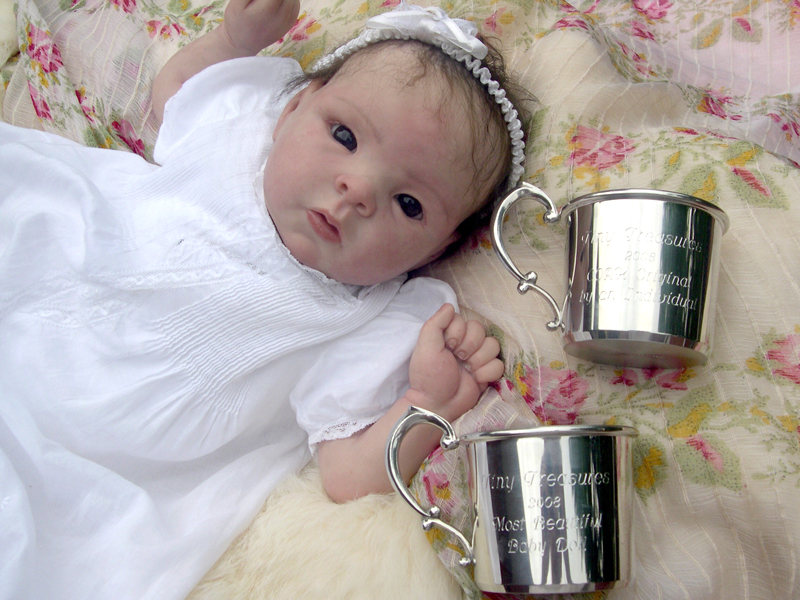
[[698, 98]]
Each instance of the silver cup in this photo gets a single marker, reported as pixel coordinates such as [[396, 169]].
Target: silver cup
[[553, 505], [642, 271]]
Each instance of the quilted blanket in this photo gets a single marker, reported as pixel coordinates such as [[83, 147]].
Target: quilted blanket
[[695, 96]]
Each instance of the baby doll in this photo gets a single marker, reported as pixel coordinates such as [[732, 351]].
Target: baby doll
[[177, 338]]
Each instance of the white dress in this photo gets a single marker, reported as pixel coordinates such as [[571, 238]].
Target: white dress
[[164, 361]]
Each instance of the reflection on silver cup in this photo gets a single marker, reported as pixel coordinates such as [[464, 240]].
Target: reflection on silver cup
[[552, 505], [642, 271]]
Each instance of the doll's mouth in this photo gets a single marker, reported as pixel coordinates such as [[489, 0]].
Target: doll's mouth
[[324, 226]]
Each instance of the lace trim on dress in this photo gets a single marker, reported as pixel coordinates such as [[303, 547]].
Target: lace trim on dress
[[339, 430]]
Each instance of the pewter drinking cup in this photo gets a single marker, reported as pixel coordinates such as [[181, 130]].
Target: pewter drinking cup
[[642, 271], [553, 506]]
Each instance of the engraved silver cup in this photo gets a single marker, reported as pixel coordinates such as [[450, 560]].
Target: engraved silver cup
[[553, 506], [642, 271]]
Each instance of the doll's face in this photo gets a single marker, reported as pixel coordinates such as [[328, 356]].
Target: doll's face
[[371, 173]]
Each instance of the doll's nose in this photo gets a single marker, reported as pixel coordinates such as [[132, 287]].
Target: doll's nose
[[358, 192]]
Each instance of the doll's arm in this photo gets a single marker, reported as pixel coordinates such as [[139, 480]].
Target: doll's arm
[[452, 364], [249, 26]]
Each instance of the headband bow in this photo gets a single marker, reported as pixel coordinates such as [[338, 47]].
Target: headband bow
[[431, 25]]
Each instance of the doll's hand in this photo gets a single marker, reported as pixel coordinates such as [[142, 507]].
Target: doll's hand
[[452, 364], [252, 25], [249, 27]]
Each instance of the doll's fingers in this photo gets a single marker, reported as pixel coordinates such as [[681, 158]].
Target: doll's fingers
[[488, 350], [491, 371], [455, 332], [434, 329], [473, 338]]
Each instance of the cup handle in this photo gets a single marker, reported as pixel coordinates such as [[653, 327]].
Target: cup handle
[[527, 281], [449, 441]]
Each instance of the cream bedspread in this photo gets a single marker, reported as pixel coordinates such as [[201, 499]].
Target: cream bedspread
[[691, 96]]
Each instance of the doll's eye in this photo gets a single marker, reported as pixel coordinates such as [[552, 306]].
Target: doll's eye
[[344, 136], [410, 206]]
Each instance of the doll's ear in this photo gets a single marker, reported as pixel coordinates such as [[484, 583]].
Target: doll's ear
[[296, 101]]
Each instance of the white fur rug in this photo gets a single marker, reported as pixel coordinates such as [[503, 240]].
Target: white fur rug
[[370, 548]]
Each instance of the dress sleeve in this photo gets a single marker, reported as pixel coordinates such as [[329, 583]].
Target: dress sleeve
[[223, 91], [358, 377]]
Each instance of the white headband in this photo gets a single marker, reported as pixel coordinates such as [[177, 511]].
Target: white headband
[[456, 38]]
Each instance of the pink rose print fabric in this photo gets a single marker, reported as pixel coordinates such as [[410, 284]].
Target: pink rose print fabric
[[594, 148], [554, 395]]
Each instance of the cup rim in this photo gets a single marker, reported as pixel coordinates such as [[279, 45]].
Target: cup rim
[[648, 194], [548, 431]]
